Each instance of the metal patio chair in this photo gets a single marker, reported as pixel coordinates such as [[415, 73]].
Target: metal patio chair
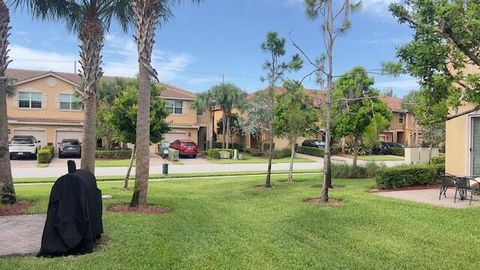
[[463, 186], [448, 181]]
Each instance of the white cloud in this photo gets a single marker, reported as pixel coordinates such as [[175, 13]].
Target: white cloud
[[30, 58], [378, 7]]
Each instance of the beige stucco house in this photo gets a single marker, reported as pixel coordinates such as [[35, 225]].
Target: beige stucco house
[[45, 106], [403, 127]]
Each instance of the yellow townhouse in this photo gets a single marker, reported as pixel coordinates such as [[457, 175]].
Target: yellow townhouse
[[45, 106]]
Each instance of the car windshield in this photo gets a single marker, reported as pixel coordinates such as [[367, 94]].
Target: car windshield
[[188, 143], [22, 141], [75, 143]]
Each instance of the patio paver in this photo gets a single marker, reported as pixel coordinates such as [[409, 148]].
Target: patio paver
[[430, 196], [21, 235]]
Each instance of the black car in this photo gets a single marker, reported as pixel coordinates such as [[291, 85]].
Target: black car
[[384, 147], [314, 143], [69, 147]]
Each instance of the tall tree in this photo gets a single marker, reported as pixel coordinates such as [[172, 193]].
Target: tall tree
[[356, 105], [123, 116], [294, 116], [444, 54], [89, 19], [206, 102], [147, 15], [7, 191], [334, 24], [227, 96], [275, 68]]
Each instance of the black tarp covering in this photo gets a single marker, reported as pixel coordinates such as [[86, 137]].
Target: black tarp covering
[[74, 216]]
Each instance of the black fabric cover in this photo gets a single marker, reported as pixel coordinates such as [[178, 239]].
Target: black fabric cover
[[74, 216]]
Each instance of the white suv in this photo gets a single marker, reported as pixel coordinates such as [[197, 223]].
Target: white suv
[[24, 146]]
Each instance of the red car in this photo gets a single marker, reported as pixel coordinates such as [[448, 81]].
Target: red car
[[185, 147]]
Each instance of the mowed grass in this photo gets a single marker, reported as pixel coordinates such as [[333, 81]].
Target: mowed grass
[[380, 158], [122, 163], [230, 224], [249, 159]]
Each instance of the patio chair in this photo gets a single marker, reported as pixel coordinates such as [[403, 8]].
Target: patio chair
[[448, 181], [464, 185]]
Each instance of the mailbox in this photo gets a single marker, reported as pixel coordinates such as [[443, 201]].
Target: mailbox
[[164, 149]]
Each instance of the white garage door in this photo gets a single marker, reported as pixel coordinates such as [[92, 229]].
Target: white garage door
[[37, 133], [172, 136], [67, 134]]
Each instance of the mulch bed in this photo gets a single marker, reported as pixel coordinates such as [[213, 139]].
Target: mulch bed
[[316, 201], [18, 208], [149, 210], [376, 190]]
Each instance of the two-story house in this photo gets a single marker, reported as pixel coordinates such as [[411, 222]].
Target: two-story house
[[45, 106], [403, 127]]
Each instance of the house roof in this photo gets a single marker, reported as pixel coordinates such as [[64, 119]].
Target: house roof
[[318, 96], [393, 103], [25, 75]]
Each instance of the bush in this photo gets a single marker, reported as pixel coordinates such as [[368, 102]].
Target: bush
[[238, 146], [346, 171], [213, 153], [117, 154], [266, 147], [235, 145], [278, 154], [254, 152], [45, 154], [397, 151], [313, 151], [409, 175], [440, 160]]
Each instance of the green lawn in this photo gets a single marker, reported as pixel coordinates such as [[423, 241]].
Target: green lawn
[[380, 158], [228, 224], [248, 159], [121, 163]]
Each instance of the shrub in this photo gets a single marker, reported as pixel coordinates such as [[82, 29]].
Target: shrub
[[409, 175], [235, 145], [45, 154], [278, 154], [397, 151], [116, 154], [266, 147], [213, 153], [313, 151], [238, 146], [440, 160], [336, 149], [254, 152], [346, 171]]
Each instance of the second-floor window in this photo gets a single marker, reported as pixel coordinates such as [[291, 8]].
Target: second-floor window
[[401, 118], [174, 106], [30, 100], [70, 102]]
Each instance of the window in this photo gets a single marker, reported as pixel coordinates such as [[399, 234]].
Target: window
[[174, 106], [401, 118], [199, 112], [30, 100], [70, 102]]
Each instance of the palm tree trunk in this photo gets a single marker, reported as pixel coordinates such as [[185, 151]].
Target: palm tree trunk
[[7, 191], [292, 158], [228, 131], [355, 151], [91, 36], [224, 129], [212, 124], [145, 24], [127, 177]]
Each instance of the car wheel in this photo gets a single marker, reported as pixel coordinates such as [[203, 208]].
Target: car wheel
[[194, 156]]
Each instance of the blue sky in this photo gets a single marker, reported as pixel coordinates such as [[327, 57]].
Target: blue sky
[[217, 37]]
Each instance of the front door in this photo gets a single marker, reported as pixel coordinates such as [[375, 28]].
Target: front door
[[475, 146]]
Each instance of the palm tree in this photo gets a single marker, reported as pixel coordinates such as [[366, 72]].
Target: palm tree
[[227, 97], [7, 191], [203, 102], [147, 15], [89, 19]]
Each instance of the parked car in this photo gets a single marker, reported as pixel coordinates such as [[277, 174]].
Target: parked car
[[185, 147], [314, 143], [24, 146], [69, 147], [384, 147]]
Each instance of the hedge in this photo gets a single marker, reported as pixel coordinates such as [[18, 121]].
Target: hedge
[[254, 152], [440, 160], [409, 175], [215, 153], [313, 151], [346, 171], [278, 154], [117, 154], [235, 145], [45, 154], [397, 151]]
